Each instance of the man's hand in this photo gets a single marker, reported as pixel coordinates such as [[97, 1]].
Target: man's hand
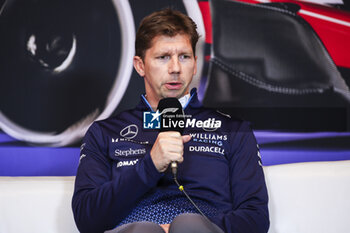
[[165, 227], [169, 147]]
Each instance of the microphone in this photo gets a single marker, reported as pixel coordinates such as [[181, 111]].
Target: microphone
[[171, 108]]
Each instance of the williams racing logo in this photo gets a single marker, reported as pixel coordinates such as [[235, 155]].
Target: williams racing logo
[[159, 120]]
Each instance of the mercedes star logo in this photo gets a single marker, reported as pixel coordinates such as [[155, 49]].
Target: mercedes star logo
[[129, 131]]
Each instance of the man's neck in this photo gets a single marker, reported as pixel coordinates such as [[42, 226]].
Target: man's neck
[[183, 101]]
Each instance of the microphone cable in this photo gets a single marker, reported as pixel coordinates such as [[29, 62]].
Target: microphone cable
[[182, 189]]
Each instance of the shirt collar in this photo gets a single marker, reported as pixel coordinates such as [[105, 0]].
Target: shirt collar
[[189, 99], [184, 100]]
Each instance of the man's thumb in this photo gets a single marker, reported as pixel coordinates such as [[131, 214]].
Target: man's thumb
[[186, 138]]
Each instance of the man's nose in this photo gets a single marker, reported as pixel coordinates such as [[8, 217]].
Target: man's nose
[[174, 65]]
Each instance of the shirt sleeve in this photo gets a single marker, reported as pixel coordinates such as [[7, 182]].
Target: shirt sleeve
[[248, 189], [101, 200]]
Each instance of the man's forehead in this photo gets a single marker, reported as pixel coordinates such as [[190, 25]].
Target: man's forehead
[[163, 43], [172, 50]]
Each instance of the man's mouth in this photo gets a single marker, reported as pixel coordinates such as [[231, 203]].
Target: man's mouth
[[173, 85]]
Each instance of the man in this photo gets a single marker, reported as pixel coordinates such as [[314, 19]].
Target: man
[[123, 181]]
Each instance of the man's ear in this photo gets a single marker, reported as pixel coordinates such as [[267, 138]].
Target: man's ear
[[139, 65]]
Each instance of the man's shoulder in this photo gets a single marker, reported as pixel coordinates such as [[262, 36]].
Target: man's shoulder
[[228, 123], [221, 115]]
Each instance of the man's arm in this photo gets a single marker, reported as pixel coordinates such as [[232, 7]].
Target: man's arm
[[101, 201], [248, 188]]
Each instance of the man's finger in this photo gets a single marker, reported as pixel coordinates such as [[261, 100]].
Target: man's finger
[[186, 138]]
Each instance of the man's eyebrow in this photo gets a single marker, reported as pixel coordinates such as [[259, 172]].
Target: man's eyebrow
[[170, 52], [163, 52]]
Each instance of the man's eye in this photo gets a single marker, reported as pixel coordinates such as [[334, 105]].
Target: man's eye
[[184, 57], [165, 57]]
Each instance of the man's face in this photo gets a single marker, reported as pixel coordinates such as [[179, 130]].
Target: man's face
[[167, 68]]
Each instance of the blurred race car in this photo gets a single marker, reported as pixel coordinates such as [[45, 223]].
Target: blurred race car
[[280, 64]]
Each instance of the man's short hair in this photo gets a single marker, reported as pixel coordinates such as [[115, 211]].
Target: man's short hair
[[166, 22]]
